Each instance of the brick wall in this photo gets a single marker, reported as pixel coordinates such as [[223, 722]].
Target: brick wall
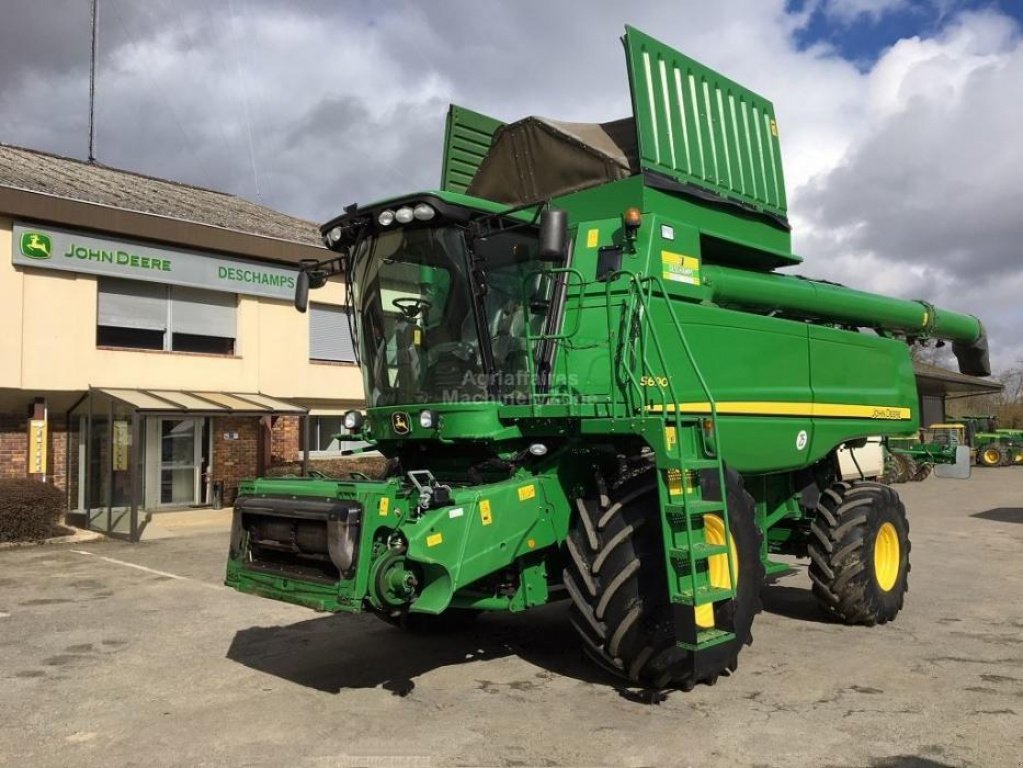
[[13, 445], [14, 448], [235, 460], [57, 458], [286, 439]]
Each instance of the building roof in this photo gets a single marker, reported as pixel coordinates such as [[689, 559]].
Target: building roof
[[69, 179], [932, 379]]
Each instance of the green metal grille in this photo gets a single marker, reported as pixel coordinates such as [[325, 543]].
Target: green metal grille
[[466, 142], [701, 128]]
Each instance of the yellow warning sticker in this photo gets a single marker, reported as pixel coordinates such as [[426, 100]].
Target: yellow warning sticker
[[592, 238], [674, 482], [417, 336], [774, 128], [434, 539], [680, 268], [527, 492], [384, 506], [485, 517], [670, 437]]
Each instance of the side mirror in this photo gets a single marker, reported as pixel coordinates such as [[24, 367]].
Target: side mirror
[[958, 471], [553, 235], [302, 291]]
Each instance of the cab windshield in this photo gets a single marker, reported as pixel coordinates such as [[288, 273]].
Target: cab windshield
[[416, 315]]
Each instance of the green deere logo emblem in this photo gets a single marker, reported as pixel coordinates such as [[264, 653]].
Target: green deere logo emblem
[[35, 246]]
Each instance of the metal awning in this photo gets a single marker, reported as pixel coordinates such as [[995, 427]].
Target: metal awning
[[174, 401], [932, 380]]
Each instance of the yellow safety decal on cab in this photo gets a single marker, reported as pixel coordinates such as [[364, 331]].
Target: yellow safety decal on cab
[[417, 336], [592, 238], [434, 539], [680, 268], [384, 506], [527, 492], [485, 517]]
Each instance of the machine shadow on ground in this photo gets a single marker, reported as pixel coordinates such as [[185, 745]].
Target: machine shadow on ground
[[338, 652], [792, 602], [334, 653]]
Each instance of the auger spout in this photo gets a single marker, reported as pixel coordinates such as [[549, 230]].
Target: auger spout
[[812, 299]]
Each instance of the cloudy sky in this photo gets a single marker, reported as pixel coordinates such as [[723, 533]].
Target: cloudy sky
[[901, 120]]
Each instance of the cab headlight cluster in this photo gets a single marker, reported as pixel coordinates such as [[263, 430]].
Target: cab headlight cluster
[[352, 420], [406, 214], [428, 419]]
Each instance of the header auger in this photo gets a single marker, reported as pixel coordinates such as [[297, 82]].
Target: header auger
[[591, 382]]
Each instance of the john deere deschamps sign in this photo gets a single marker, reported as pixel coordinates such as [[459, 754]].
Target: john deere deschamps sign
[[52, 248]]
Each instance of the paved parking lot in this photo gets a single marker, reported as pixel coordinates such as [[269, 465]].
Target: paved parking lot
[[113, 654]]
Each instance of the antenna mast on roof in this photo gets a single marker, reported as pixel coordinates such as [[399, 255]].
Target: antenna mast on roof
[[92, 85]]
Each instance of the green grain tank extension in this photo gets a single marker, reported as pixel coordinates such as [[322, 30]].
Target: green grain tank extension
[[591, 383]]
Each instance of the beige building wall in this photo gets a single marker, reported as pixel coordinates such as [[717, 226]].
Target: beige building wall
[[48, 342]]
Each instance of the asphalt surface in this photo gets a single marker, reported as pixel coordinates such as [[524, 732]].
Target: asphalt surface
[[105, 664]]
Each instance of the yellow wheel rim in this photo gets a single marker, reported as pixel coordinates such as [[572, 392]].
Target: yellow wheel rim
[[886, 556], [991, 456], [717, 566]]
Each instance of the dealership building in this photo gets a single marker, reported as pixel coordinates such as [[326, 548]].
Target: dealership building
[[150, 353]]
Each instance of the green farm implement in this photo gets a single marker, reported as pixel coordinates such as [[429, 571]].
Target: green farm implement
[[591, 382], [992, 447]]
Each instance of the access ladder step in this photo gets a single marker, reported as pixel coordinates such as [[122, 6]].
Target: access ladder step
[[708, 638], [694, 508], [697, 552], [691, 466], [698, 464], [705, 595]]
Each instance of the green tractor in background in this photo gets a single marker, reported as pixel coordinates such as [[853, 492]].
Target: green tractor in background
[[912, 458], [993, 447], [592, 382]]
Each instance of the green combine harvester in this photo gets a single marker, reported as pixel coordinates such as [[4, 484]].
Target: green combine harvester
[[591, 382]]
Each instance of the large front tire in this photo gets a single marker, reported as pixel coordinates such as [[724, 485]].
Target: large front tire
[[616, 576], [859, 553]]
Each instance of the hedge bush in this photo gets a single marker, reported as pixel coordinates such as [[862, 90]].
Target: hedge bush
[[29, 510]]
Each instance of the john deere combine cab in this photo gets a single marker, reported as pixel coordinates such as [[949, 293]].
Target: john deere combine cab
[[591, 382]]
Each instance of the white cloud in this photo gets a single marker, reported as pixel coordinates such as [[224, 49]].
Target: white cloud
[[925, 200], [903, 177], [848, 11]]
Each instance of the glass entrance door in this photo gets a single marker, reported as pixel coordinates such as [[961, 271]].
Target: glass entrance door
[[175, 457]]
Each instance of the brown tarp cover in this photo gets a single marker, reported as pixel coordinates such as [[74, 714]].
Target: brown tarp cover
[[535, 159]]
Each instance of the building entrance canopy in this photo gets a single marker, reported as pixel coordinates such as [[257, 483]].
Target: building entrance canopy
[[143, 449], [214, 403]]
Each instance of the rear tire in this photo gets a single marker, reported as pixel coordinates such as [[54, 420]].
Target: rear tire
[[903, 468], [923, 471], [616, 576], [990, 455], [859, 553]]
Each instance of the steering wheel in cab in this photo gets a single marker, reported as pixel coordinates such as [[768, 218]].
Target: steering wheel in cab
[[411, 307]]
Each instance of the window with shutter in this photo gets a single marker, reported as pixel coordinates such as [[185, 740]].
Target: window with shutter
[[330, 336], [142, 315]]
